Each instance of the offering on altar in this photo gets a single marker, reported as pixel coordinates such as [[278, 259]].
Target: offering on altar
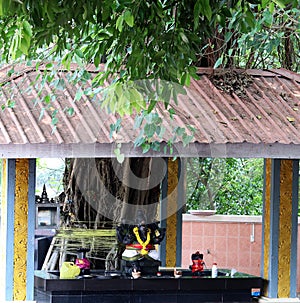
[[198, 263]]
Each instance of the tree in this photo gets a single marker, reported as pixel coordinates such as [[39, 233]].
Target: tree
[[231, 186], [158, 42], [242, 190], [204, 179], [150, 40], [141, 39], [100, 192], [49, 172]]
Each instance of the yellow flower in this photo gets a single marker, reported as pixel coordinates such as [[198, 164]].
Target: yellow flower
[[144, 251]]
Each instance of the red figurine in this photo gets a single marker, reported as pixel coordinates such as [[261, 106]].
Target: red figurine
[[198, 263]]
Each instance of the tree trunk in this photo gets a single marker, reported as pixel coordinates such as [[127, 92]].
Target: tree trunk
[[102, 192]]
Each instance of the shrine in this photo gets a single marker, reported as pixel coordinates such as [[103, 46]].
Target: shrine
[[85, 136]]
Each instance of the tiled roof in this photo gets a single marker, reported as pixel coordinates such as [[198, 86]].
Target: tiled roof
[[236, 113]]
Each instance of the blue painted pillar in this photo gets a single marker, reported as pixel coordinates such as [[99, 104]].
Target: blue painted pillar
[[280, 227], [17, 230]]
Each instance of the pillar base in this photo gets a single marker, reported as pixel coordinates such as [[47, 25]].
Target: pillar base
[[278, 300]]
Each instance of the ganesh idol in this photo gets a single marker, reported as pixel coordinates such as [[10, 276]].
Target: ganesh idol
[[139, 242]]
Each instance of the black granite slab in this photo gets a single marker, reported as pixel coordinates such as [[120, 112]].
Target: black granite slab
[[147, 289]]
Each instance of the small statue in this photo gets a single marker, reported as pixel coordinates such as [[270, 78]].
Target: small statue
[[198, 264], [139, 240]]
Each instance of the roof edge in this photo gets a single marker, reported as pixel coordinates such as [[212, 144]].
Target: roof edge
[[22, 69], [281, 72], [106, 150]]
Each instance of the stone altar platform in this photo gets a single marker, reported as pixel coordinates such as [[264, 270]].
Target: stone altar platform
[[116, 287]]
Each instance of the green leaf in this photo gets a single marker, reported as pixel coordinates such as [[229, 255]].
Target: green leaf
[[155, 146], [10, 72], [250, 19], [166, 93], [264, 3], [184, 37], [193, 73], [11, 104], [218, 62], [186, 139], [280, 3], [197, 9], [202, 7], [97, 60], [79, 53], [146, 147], [180, 131], [119, 23], [138, 120], [117, 152], [151, 106], [158, 130], [61, 85], [228, 36], [139, 141], [185, 79], [70, 111], [47, 99], [172, 112], [207, 9], [149, 130], [120, 158], [27, 29], [268, 17], [129, 19], [54, 120], [24, 46], [66, 61], [78, 95], [177, 90], [135, 96], [42, 113]]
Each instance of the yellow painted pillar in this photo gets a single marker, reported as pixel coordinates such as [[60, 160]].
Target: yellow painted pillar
[[3, 232], [20, 229], [171, 212], [171, 233], [280, 225], [17, 229], [266, 221]]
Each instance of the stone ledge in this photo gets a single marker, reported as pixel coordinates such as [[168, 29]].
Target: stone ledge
[[222, 218], [278, 300]]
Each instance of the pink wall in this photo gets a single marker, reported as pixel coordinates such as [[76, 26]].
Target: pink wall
[[232, 241]]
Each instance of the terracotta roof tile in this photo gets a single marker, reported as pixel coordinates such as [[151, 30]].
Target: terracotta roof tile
[[260, 118]]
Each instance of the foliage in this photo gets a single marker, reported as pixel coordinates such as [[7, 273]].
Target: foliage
[[148, 40], [231, 186], [272, 42], [49, 172], [204, 178]]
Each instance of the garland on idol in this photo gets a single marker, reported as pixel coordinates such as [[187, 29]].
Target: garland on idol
[[144, 251]]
